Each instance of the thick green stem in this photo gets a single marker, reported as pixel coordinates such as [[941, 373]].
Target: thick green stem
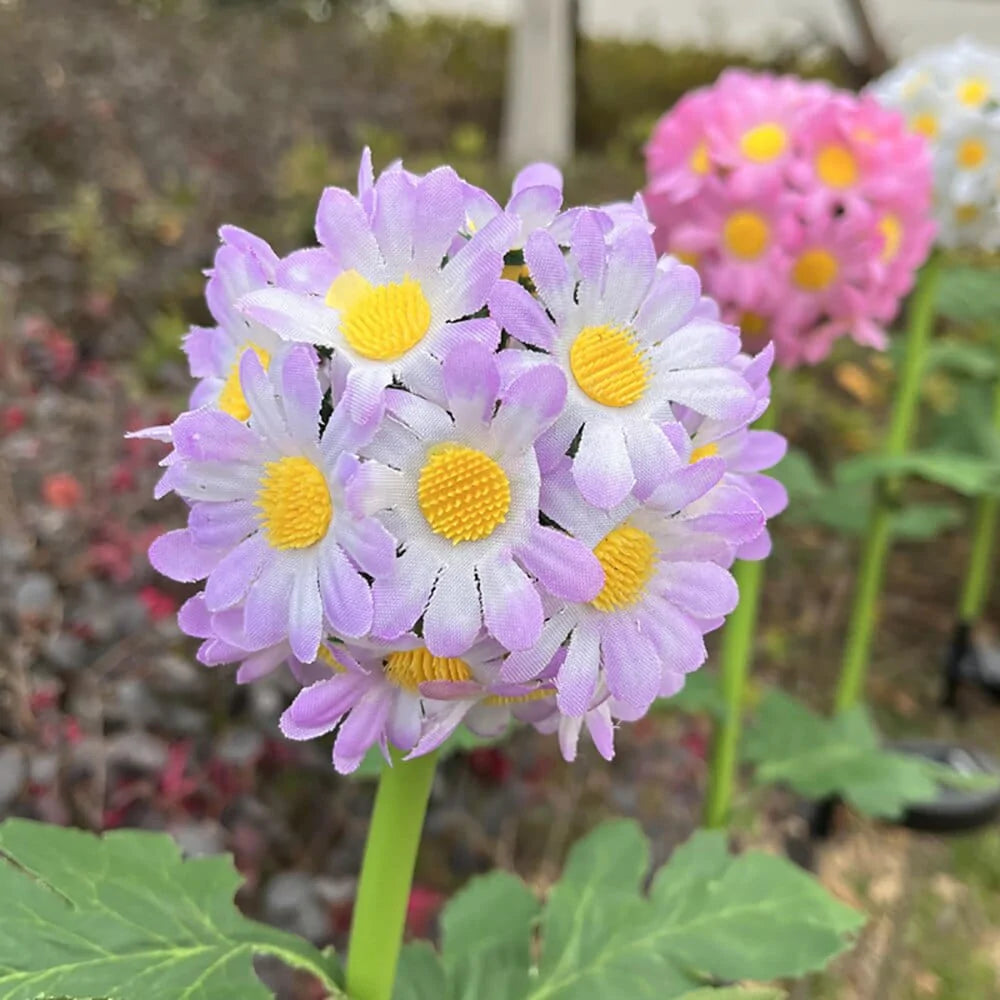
[[734, 666], [386, 877], [977, 576], [737, 653], [864, 612]]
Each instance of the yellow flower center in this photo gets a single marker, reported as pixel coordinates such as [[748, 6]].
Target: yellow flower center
[[752, 324], [815, 270], [746, 235], [700, 162], [516, 272], [380, 322], [497, 700], [410, 668], [966, 213], [609, 365], [294, 503], [971, 154], [836, 166], [973, 91], [463, 493], [628, 557], [764, 143], [688, 257], [231, 398], [705, 451], [330, 660], [892, 233], [925, 123]]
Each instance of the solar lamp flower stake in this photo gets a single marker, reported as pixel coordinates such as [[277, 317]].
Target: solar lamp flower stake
[[806, 211], [951, 96], [458, 464]]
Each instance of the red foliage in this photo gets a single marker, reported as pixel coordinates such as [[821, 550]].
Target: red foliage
[[62, 490]]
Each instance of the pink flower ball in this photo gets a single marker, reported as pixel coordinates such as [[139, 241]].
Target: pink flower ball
[[806, 209]]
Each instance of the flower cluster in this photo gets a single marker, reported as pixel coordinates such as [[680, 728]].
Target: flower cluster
[[951, 96], [462, 463], [805, 209]]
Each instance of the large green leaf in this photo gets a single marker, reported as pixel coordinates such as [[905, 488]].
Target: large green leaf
[[710, 916], [124, 917], [487, 931], [969, 294], [701, 693], [974, 360], [819, 757]]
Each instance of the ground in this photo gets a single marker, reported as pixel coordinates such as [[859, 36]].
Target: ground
[[131, 135]]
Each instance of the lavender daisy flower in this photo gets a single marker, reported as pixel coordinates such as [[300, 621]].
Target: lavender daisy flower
[[458, 489], [244, 263], [631, 342], [535, 199], [399, 302], [645, 628], [225, 642], [374, 696], [269, 525], [746, 452]]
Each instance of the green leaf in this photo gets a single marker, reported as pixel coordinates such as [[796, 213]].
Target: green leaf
[[701, 694], [420, 974], [487, 930], [923, 521], [736, 993], [969, 294], [755, 916], [819, 757], [975, 360], [796, 473], [710, 916], [971, 475], [124, 916]]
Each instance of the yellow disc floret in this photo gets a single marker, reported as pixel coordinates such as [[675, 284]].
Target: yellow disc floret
[[705, 451], [231, 398], [971, 153], [700, 162], [497, 700], [294, 503], [609, 365], [892, 232], [765, 142], [973, 91], [463, 493], [925, 123], [380, 322], [752, 324], [746, 235], [815, 270], [410, 668], [836, 166], [628, 557]]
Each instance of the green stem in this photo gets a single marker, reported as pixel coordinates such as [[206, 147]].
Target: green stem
[[386, 877], [977, 577], [734, 667], [864, 612]]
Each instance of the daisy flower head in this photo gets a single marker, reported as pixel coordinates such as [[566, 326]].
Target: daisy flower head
[[811, 218], [400, 299], [665, 585], [269, 527], [950, 97], [243, 264], [373, 696], [746, 453], [469, 464], [627, 336], [457, 487]]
